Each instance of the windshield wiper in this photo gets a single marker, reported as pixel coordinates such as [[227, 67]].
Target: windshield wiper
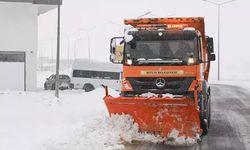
[[168, 57]]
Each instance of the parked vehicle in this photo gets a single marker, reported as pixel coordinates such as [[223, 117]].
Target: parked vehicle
[[170, 58], [90, 75], [64, 82]]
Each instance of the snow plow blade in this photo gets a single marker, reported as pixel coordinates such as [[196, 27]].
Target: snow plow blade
[[159, 115]]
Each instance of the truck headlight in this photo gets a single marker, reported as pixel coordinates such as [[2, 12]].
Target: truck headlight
[[190, 60], [129, 61]]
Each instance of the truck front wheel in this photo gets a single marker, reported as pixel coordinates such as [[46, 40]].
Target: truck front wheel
[[204, 113], [204, 125], [208, 109]]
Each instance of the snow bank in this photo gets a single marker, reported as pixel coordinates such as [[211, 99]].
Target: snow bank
[[100, 133], [29, 119], [110, 134], [75, 121]]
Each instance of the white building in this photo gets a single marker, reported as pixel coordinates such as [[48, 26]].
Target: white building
[[18, 43]]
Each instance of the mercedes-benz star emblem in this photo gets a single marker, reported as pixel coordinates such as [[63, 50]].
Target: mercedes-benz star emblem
[[160, 82]]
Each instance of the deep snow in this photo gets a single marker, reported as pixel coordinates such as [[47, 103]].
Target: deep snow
[[77, 120], [32, 118]]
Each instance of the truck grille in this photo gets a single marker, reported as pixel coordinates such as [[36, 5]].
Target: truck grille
[[172, 85]]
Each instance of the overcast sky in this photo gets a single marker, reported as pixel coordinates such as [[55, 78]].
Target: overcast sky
[[104, 18]]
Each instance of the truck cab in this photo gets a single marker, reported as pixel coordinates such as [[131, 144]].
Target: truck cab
[[176, 57]]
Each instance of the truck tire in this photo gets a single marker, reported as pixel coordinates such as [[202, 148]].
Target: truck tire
[[209, 110], [203, 114], [203, 125], [88, 87], [45, 87]]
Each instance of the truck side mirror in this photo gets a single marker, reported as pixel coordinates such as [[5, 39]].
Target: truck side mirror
[[210, 44], [211, 57], [116, 50]]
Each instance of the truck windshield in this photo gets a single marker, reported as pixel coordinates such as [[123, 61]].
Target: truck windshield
[[162, 51]]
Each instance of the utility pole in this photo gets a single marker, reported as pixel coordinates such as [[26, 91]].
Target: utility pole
[[51, 49], [68, 36], [88, 44], [68, 41], [87, 30], [218, 7], [58, 3], [68, 46], [75, 42], [58, 52]]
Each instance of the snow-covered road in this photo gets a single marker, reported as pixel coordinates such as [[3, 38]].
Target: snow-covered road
[[230, 126]]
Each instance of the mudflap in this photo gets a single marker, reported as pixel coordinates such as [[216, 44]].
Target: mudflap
[[159, 115]]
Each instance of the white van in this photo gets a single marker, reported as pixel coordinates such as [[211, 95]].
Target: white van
[[88, 75]]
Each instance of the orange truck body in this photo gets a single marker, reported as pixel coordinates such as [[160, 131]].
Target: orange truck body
[[159, 114]]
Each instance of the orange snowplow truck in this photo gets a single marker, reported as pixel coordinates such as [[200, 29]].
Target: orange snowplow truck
[[166, 64]]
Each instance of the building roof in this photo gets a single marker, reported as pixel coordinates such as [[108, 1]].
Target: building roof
[[46, 5], [45, 8]]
